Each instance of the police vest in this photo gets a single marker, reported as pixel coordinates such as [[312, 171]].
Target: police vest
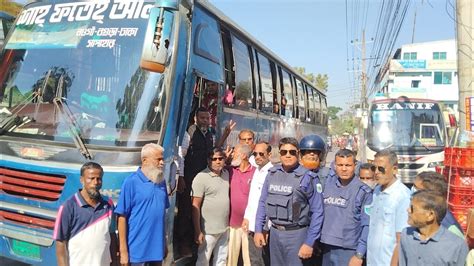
[[343, 211], [286, 203], [200, 145]]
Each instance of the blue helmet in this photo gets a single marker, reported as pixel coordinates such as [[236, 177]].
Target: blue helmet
[[315, 143]]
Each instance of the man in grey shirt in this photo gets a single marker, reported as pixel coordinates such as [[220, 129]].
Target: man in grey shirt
[[426, 242], [210, 202]]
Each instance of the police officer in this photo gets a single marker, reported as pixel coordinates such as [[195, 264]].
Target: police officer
[[313, 153], [294, 207], [346, 208]]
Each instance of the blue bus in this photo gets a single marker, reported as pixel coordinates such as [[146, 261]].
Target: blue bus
[[96, 80]]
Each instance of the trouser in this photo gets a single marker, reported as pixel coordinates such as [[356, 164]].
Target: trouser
[[256, 254], [334, 256], [184, 229], [213, 244], [238, 240], [285, 245]]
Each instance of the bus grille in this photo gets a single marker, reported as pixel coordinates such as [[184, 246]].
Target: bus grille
[[31, 185], [26, 219]]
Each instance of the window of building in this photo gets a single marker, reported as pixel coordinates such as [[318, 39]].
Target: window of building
[[439, 55], [242, 94], [415, 83], [442, 77], [265, 83], [409, 56]]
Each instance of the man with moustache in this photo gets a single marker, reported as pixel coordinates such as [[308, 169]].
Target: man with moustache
[[294, 207], [367, 174], [141, 209], [261, 153], [85, 230], [210, 194], [241, 173], [346, 214], [247, 137]]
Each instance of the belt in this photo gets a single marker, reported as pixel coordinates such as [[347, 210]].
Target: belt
[[288, 227]]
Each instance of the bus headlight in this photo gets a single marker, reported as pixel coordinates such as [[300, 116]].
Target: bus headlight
[[434, 164]]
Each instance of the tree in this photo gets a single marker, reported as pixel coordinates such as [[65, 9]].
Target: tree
[[320, 81], [332, 112]]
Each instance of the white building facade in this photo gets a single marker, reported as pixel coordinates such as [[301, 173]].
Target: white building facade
[[423, 70]]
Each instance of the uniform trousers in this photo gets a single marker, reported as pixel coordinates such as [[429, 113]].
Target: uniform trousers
[[238, 239], [213, 244], [334, 256], [285, 245]]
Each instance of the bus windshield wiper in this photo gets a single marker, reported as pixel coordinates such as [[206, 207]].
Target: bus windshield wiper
[[74, 129]]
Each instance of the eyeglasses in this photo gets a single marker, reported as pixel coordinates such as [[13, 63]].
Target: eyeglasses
[[372, 168], [261, 154], [381, 169], [217, 159], [304, 152], [285, 152]]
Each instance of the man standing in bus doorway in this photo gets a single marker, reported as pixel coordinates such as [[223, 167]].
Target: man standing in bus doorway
[[202, 140], [346, 214], [210, 192], [294, 207], [141, 208], [85, 229], [388, 216], [241, 173], [262, 154]]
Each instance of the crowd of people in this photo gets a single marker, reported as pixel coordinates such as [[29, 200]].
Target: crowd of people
[[236, 208]]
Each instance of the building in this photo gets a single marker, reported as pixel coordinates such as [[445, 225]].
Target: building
[[422, 70]]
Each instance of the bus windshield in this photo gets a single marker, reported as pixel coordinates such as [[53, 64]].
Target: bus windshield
[[75, 67], [400, 127]]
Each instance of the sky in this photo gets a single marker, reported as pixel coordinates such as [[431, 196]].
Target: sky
[[312, 33]]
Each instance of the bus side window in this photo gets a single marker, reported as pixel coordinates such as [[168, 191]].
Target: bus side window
[[229, 69], [266, 86], [276, 89], [317, 103], [311, 104], [287, 102], [242, 94], [301, 100], [324, 109]]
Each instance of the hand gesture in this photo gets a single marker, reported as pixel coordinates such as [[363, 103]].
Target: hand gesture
[[229, 127]]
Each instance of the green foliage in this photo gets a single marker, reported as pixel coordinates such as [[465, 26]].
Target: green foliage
[[340, 126], [320, 81], [332, 112]]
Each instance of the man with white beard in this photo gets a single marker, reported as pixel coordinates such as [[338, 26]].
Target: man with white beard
[[241, 173], [141, 209]]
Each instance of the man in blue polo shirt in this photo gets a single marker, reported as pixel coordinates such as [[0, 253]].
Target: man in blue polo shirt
[[141, 208], [84, 228]]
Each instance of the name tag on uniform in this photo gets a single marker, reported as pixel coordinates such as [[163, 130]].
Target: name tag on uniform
[[341, 202]]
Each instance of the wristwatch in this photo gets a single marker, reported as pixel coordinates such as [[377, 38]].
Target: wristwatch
[[359, 255]]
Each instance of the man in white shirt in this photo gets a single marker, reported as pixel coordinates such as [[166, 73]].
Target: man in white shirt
[[262, 153]]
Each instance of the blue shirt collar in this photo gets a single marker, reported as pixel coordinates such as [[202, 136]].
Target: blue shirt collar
[[82, 202], [142, 176]]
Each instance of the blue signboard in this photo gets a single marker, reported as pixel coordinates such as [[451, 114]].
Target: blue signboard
[[412, 63]]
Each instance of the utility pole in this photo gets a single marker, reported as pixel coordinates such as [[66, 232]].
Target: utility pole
[[363, 91], [465, 45]]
